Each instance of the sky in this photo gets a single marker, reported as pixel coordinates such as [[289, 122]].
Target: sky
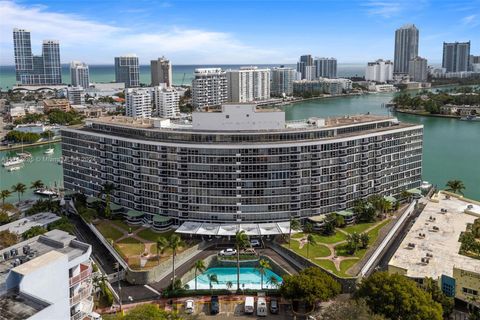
[[236, 32]]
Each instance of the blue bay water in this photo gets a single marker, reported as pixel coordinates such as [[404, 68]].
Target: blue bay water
[[182, 74]]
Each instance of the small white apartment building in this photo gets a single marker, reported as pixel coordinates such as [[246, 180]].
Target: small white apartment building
[[47, 277]]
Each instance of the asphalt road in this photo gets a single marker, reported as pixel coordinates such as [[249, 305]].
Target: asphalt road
[[101, 255]]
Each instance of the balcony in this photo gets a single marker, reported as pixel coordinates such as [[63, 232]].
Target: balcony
[[84, 293], [85, 273], [79, 315]]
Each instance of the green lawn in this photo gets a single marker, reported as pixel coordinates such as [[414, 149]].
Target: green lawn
[[319, 238], [373, 234], [152, 236], [315, 251], [345, 265], [327, 264], [108, 232], [359, 228], [341, 251], [125, 226], [129, 247]]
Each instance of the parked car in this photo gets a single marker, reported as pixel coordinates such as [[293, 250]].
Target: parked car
[[189, 306], [261, 307], [273, 306], [228, 252], [255, 243], [249, 305], [214, 305]]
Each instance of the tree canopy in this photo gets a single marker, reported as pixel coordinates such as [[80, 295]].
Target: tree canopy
[[349, 310], [398, 298], [311, 285], [147, 312]]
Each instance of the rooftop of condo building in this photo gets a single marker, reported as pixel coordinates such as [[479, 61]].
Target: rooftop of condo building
[[242, 117]]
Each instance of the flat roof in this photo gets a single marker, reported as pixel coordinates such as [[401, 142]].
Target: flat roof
[[230, 229], [19, 306], [150, 123], [443, 244], [37, 220], [55, 240]]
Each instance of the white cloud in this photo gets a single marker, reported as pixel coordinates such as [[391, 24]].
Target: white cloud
[[471, 20], [96, 42], [384, 9]]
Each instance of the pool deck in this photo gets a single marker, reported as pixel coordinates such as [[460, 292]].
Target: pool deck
[[140, 292]]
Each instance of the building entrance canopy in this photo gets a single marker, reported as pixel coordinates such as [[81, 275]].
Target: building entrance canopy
[[251, 229]]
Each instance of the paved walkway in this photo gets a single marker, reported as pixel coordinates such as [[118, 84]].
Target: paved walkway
[[337, 260]]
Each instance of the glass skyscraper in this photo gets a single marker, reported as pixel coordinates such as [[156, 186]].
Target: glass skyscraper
[[36, 70], [406, 48], [127, 71]]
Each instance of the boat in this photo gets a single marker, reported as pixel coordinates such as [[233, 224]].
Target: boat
[[49, 151], [24, 155], [14, 169], [46, 192], [470, 118], [13, 162]]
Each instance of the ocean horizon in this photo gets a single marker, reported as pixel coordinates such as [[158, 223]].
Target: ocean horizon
[[182, 74]]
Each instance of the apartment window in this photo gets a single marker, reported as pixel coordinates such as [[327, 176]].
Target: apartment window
[[470, 291], [227, 116]]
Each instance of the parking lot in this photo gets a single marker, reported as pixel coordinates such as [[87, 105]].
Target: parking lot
[[231, 308]]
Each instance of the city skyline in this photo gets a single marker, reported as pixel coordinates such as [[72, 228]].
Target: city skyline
[[123, 28]]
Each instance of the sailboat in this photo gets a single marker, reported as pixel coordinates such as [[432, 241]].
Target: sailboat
[[50, 150], [24, 154]]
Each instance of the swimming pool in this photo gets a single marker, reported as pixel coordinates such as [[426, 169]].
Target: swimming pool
[[250, 277]]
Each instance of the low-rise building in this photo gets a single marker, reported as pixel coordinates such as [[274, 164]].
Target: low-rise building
[[432, 248], [56, 104], [46, 277]]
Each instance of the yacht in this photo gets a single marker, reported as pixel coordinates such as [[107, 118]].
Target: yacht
[[24, 155], [49, 151], [13, 161], [14, 169], [470, 118], [46, 192]]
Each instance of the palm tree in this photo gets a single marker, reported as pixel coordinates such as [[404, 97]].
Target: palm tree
[[38, 184], [310, 242], [294, 225], [160, 244], [273, 281], [99, 282], [455, 186], [199, 266], [262, 267], [19, 188], [241, 241], [4, 194], [405, 194], [229, 285], [107, 189], [174, 242], [212, 278], [308, 228]]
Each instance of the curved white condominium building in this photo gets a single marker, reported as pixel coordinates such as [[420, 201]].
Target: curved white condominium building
[[240, 164]]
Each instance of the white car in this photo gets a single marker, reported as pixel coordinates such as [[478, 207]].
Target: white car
[[228, 252], [255, 243], [189, 306]]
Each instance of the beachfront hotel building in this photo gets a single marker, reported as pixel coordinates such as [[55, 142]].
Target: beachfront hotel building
[[166, 100], [379, 71], [46, 277], [239, 164], [161, 72]]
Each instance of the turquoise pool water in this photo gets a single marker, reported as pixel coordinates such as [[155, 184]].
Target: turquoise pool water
[[249, 277]]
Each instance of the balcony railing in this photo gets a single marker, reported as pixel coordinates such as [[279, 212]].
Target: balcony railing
[[78, 315], [81, 295], [84, 274]]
